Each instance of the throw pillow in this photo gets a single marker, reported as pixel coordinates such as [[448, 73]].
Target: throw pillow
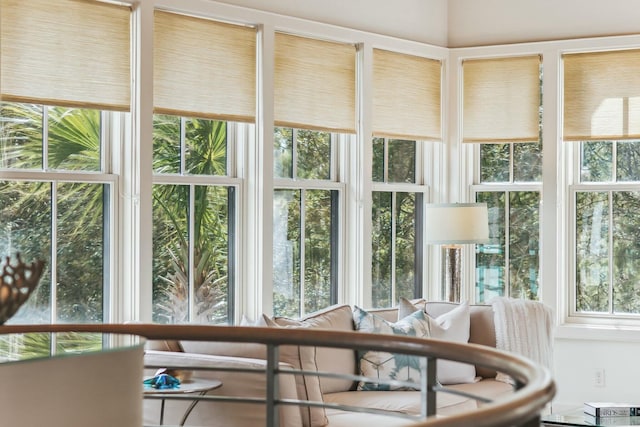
[[406, 307], [390, 366], [451, 326], [302, 358]]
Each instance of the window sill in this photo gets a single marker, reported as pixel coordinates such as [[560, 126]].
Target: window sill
[[598, 332]]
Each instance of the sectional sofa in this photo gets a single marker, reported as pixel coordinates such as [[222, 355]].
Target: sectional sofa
[[442, 320]]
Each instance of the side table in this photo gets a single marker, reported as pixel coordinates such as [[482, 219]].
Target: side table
[[200, 386]]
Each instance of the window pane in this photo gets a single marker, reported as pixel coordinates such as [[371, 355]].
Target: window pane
[[286, 252], [524, 244], [406, 245], [283, 153], [211, 253], [592, 252], [25, 346], [382, 251], [20, 136], [166, 144], [402, 161], [173, 293], [378, 160], [628, 160], [494, 162], [69, 342], [395, 247], [626, 252], [317, 251], [206, 147], [527, 162], [313, 154], [170, 254], [74, 139], [25, 213], [490, 257], [596, 162], [288, 258], [80, 252]]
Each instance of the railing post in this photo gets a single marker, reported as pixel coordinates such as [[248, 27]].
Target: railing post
[[273, 391], [428, 380], [533, 422]]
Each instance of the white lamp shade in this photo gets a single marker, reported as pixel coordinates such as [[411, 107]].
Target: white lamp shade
[[456, 223]]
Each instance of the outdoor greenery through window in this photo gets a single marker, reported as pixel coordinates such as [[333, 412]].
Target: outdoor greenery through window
[[509, 264], [193, 221], [305, 221], [397, 222], [606, 203], [57, 208]]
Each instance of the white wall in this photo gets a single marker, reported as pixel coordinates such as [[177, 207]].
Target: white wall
[[418, 20], [487, 22], [576, 362]]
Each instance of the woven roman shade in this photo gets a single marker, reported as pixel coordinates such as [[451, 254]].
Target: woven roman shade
[[65, 52], [406, 96], [204, 68], [501, 99], [602, 95], [314, 84]]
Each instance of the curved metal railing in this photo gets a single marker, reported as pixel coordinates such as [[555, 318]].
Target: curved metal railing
[[533, 385]]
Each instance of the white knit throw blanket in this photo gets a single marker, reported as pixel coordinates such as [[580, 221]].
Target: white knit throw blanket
[[524, 327]]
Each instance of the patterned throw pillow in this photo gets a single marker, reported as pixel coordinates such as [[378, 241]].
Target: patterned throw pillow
[[390, 366], [451, 326]]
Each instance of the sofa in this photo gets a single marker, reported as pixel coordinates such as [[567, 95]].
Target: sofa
[[442, 320]]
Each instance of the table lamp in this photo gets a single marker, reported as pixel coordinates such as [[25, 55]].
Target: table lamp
[[452, 225]]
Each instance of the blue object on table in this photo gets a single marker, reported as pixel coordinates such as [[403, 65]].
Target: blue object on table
[[162, 382]]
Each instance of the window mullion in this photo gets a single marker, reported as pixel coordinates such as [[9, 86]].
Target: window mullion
[[294, 154], [385, 160], [393, 248], [611, 251], [45, 138], [190, 267], [183, 144], [54, 251], [507, 248], [303, 196]]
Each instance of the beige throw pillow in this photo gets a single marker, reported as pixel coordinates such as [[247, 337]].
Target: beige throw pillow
[[302, 358]]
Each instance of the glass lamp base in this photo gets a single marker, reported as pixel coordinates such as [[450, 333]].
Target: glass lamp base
[[451, 268]]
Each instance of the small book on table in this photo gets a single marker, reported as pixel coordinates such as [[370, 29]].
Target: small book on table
[[611, 409]]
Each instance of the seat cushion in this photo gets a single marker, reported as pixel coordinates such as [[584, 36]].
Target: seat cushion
[[408, 402]]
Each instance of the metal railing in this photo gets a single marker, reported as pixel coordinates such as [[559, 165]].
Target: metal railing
[[533, 385]]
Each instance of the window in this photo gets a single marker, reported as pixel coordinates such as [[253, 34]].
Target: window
[[406, 112], [510, 263], [397, 218], [502, 117], [605, 203], [312, 129], [602, 121], [203, 91], [305, 221], [62, 81], [56, 203], [193, 221]]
